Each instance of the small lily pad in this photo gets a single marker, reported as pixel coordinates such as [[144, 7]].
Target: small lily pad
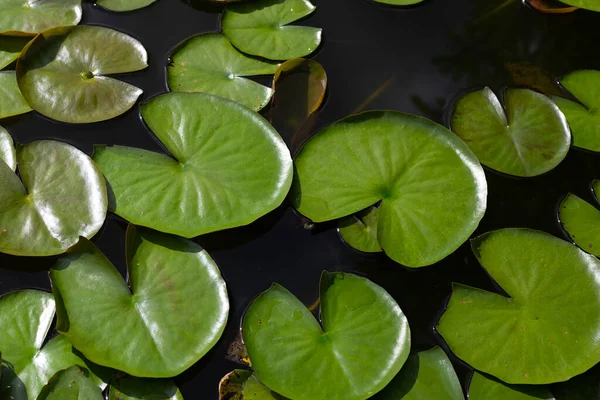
[[229, 167], [583, 117], [548, 330], [124, 5], [60, 196], [581, 221], [10, 48], [399, 2], [126, 387], [63, 73], [8, 153], [31, 17], [73, 383], [172, 310], [261, 28], [209, 63], [360, 231], [361, 344], [484, 388], [11, 100], [244, 385], [431, 187], [528, 139], [592, 5]]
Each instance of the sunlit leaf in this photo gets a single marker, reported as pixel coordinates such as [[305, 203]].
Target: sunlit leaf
[[11, 100], [592, 5], [124, 5], [581, 221], [360, 231], [31, 17], [8, 153]]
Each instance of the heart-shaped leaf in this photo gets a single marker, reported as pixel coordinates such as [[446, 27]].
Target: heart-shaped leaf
[[173, 311], [125, 387], [209, 63], [582, 387], [30, 17], [123, 5], [11, 100], [548, 330], [360, 231], [583, 117], [261, 28], [530, 138], [8, 153], [73, 383], [360, 345], [61, 196], [229, 167], [431, 187], [592, 5], [484, 388], [581, 221], [62, 73], [27, 364], [426, 375], [244, 385], [10, 48]]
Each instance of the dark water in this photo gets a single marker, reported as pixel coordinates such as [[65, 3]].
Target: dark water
[[415, 60]]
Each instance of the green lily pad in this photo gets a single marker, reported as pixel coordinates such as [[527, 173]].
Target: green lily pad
[[60, 196], [484, 388], [31, 17], [11, 100], [592, 5], [124, 5], [73, 383], [8, 153], [581, 221], [360, 231], [63, 73], [581, 387], [528, 139], [125, 387], [209, 63], [427, 375], [432, 189], [27, 364], [171, 311], [261, 28], [548, 330], [361, 344], [583, 117], [399, 2], [229, 167], [244, 385], [10, 48]]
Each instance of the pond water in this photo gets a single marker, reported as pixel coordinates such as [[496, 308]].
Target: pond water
[[416, 60]]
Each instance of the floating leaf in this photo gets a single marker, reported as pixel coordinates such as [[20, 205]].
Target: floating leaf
[[551, 7], [72, 383], [581, 221], [62, 73], [532, 76], [125, 387], [8, 153], [399, 2], [581, 387], [124, 5], [592, 5], [530, 138], [432, 188], [261, 28], [11, 100], [244, 385], [361, 344], [360, 231], [10, 48], [209, 63], [61, 196], [583, 118], [230, 167], [30, 17], [484, 388], [548, 330], [171, 313]]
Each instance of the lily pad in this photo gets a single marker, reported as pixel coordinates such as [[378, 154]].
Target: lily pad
[[431, 187], [125, 387], [399, 2], [11, 100], [63, 73], [261, 28], [124, 5], [551, 6], [581, 387], [171, 311], [592, 5], [60, 196], [548, 330], [361, 344], [581, 221], [31, 17], [73, 383], [360, 231], [209, 63], [229, 167], [528, 139], [244, 385], [583, 117], [25, 317], [10, 48], [484, 388], [427, 375], [8, 153]]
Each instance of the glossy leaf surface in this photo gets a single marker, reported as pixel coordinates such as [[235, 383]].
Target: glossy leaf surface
[[548, 330], [31, 17], [73, 383], [581, 221], [585, 4], [8, 153], [171, 313], [63, 73], [360, 345], [360, 231], [124, 5], [484, 388], [125, 387], [10, 48], [432, 189], [244, 385], [530, 138], [229, 167], [11, 100]]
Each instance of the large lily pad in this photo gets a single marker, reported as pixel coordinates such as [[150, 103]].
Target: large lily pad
[[73, 383], [432, 188], [60, 196], [581, 221], [530, 138], [10, 48], [171, 311], [27, 364], [484, 388], [229, 167], [583, 117], [63, 73], [586, 4], [125, 387], [548, 330], [209, 63], [30, 17], [123, 5], [361, 344], [8, 153], [244, 385], [11, 100], [261, 28], [360, 231]]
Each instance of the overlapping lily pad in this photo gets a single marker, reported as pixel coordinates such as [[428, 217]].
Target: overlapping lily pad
[[484, 388], [124, 5], [209, 63], [8, 153], [229, 167], [31, 17], [361, 344], [592, 5], [73, 383], [64, 73], [125, 387], [530, 138], [581, 221], [431, 187], [58, 196], [11, 100], [548, 329], [360, 231], [171, 311], [244, 385], [261, 28], [10, 48]]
